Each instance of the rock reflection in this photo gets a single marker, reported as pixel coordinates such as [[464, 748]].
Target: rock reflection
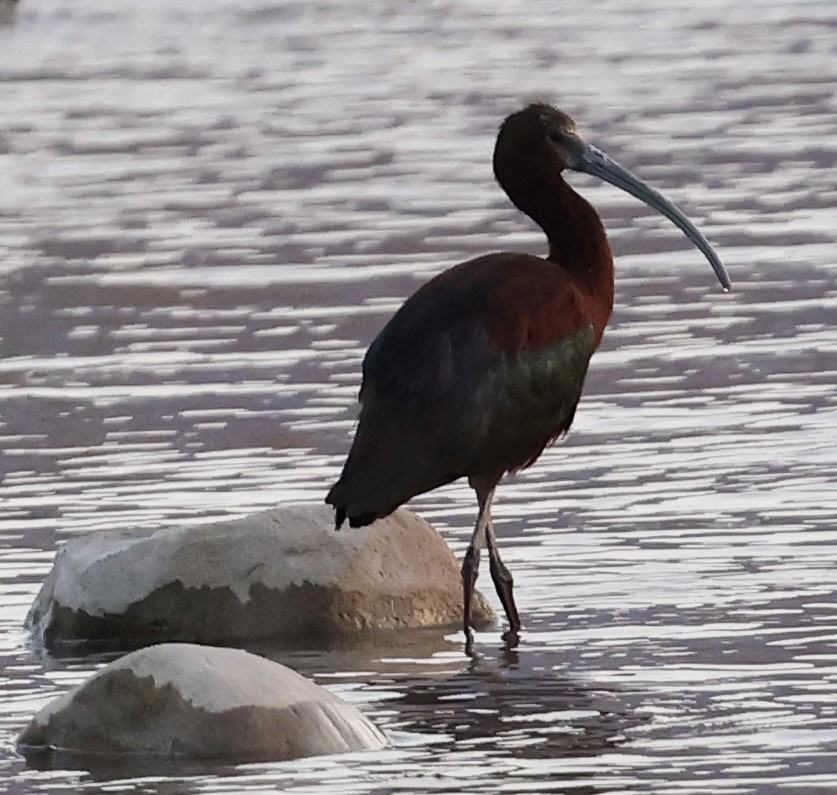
[[177, 777], [380, 651]]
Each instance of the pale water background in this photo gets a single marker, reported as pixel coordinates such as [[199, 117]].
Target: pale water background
[[209, 208]]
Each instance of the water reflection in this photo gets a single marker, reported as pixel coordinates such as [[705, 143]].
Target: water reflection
[[516, 703]]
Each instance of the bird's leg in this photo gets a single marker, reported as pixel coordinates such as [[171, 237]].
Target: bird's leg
[[504, 583], [471, 562]]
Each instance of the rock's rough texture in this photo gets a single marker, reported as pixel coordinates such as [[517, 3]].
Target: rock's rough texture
[[281, 574], [183, 700]]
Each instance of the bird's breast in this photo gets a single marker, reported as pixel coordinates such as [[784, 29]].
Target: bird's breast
[[526, 400]]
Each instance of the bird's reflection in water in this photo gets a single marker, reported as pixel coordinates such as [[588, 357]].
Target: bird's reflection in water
[[518, 702]]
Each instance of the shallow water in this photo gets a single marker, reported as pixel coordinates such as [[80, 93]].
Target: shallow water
[[207, 211]]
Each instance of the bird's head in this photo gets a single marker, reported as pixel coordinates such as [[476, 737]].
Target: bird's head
[[541, 140]]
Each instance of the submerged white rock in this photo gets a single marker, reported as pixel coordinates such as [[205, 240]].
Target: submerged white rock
[[280, 574], [184, 700]]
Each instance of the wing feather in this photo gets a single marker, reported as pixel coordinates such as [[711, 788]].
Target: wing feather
[[476, 373]]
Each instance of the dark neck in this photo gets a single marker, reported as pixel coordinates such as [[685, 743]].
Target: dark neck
[[577, 239]]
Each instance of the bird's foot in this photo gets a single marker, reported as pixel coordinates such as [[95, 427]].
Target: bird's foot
[[469, 642]]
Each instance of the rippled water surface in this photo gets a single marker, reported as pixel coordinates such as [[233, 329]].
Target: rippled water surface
[[207, 211]]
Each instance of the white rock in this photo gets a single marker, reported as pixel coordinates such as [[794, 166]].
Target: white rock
[[183, 700], [281, 574]]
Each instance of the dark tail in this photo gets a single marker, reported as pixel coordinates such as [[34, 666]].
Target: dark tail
[[392, 459], [341, 511], [381, 472]]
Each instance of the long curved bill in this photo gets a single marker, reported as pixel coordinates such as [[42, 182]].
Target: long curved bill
[[593, 161]]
